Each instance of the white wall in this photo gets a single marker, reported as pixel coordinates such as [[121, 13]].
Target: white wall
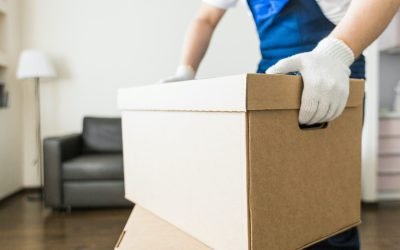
[[389, 76], [370, 128], [10, 118], [101, 45]]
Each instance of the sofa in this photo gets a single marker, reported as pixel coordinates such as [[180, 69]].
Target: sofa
[[86, 169]]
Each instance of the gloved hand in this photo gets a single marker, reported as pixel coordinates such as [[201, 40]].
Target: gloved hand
[[183, 73], [325, 71]]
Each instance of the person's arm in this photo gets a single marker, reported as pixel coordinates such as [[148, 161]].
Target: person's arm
[[326, 69], [196, 42], [364, 21]]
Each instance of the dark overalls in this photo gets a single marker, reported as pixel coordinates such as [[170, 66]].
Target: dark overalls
[[289, 27]]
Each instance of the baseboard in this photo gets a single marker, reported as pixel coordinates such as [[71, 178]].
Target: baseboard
[[18, 192], [11, 195], [369, 204], [30, 189]]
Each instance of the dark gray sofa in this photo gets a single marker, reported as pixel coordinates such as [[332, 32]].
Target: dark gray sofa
[[85, 170]]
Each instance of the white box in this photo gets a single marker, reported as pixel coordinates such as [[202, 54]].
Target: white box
[[226, 161]]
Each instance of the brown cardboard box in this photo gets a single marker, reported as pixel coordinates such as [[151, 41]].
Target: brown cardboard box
[[145, 231], [225, 161]]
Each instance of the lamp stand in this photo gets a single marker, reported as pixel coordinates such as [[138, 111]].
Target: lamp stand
[[39, 160]]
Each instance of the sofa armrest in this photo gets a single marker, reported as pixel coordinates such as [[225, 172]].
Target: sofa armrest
[[55, 151]]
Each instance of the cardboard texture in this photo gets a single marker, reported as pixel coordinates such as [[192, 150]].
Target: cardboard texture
[[146, 231], [225, 161]]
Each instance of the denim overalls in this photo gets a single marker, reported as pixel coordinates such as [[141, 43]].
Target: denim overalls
[[289, 27]]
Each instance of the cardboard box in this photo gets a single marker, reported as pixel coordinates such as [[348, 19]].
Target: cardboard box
[[146, 231], [225, 161]]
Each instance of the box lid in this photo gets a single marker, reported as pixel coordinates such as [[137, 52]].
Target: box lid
[[237, 93]]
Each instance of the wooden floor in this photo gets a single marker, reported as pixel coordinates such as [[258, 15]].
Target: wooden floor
[[380, 228], [26, 225]]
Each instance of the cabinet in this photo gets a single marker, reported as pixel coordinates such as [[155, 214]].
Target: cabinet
[[389, 156]]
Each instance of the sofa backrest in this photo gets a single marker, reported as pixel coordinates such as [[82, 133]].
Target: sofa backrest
[[102, 135]]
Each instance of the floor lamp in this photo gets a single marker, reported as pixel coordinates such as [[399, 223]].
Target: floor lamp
[[33, 64]]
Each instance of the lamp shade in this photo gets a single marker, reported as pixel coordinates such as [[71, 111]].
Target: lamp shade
[[34, 64]]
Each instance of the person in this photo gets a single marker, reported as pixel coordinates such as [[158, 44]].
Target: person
[[323, 40]]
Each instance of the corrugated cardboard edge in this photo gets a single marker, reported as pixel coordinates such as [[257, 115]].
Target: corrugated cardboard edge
[[121, 237], [330, 235], [249, 216]]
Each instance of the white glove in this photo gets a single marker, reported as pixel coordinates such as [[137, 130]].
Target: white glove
[[325, 71], [183, 73]]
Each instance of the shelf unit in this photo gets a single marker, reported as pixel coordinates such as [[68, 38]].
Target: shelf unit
[[381, 132], [3, 52], [389, 156]]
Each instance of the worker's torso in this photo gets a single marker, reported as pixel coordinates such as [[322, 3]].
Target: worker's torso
[[289, 27]]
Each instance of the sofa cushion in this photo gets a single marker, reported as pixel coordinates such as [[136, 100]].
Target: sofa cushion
[[102, 134], [94, 167], [94, 194]]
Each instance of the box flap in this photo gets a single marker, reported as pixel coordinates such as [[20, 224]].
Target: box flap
[[216, 94], [284, 92]]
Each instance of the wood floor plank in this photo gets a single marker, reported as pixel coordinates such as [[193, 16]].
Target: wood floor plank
[[27, 225]]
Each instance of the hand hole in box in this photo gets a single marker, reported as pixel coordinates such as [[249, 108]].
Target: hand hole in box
[[313, 126]]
